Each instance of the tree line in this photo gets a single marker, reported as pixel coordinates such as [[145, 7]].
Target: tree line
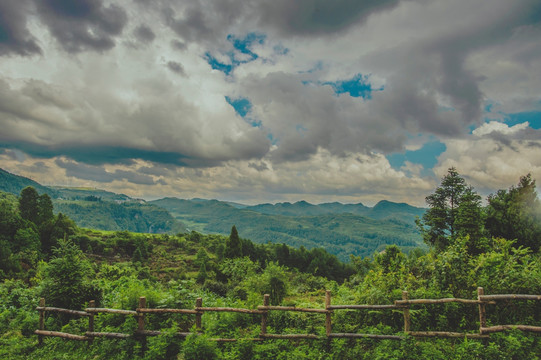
[[456, 211]]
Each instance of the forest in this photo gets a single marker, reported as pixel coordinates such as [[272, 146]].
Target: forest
[[469, 244]]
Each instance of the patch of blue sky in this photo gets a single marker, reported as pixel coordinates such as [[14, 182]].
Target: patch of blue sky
[[217, 65], [242, 107], [358, 86], [240, 45], [244, 45], [532, 117], [427, 156]]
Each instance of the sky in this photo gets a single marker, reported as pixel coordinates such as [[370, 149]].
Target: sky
[[271, 100]]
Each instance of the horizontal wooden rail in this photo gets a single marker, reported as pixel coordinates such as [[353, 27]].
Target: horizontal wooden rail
[[292, 336], [446, 334], [500, 328], [166, 311], [369, 336], [111, 311], [61, 335], [157, 333], [234, 340], [61, 310], [510, 297], [229, 309], [436, 301], [109, 335], [291, 308], [362, 307]]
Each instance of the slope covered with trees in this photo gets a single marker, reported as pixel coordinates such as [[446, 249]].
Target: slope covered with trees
[[332, 226]]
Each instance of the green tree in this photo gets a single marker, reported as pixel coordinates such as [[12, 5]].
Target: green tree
[[201, 259], [66, 282], [516, 214], [45, 209], [454, 210], [28, 204], [233, 245], [390, 259]]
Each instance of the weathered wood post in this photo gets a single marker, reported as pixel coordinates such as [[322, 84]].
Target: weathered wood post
[[407, 318], [41, 320], [482, 310], [91, 304], [141, 323], [198, 316], [328, 323], [264, 315]]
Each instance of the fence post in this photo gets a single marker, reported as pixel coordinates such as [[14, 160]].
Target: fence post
[[41, 320], [407, 319], [482, 310], [91, 304], [198, 320], [328, 323], [265, 314], [141, 323]]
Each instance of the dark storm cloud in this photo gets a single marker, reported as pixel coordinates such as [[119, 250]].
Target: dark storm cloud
[[82, 25], [178, 45], [317, 17], [461, 84], [176, 67], [86, 172], [144, 34], [15, 38], [201, 20], [135, 177], [99, 174]]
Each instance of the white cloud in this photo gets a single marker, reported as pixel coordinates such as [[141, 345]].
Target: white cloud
[[498, 127], [489, 163]]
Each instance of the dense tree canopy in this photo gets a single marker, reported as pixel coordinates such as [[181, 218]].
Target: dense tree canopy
[[454, 210], [515, 214]]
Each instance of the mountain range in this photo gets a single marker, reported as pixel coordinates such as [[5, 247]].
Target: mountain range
[[342, 229]]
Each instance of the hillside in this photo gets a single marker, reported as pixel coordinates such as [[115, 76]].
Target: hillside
[[342, 229], [131, 216], [13, 184], [330, 225], [99, 209]]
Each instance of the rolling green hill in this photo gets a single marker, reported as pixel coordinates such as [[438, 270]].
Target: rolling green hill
[[330, 226], [132, 216], [99, 209], [13, 184], [342, 229]]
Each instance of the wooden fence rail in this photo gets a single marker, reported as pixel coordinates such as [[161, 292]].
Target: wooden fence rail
[[403, 305]]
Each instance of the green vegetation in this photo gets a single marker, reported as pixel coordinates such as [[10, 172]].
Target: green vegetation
[[342, 229], [130, 216], [43, 254], [339, 228]]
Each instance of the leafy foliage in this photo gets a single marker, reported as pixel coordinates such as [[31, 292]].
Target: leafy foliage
[[171, 271], [67, 278]]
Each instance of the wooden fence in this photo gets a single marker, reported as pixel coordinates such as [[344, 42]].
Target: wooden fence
[[403, 305]]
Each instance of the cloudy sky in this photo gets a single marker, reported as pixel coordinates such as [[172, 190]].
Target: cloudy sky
[[271, 100]]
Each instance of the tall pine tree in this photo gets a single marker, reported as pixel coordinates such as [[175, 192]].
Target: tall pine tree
[[233, 245]]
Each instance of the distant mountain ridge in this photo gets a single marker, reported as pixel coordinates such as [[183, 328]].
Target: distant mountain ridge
[[342, 229], [99, 209], [383, 209]]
